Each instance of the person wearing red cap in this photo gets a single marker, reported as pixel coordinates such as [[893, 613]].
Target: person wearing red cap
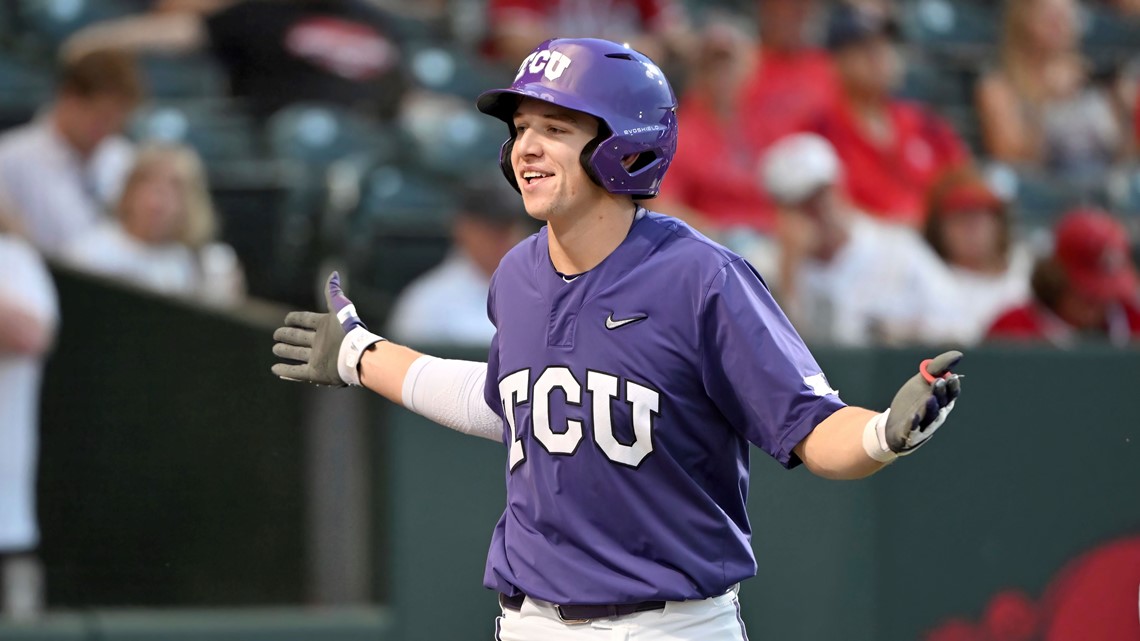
[[894, 150], [1088, 286], [968, 226]]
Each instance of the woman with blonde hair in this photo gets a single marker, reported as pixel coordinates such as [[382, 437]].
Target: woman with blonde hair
[[1038, 107], [163, 238]]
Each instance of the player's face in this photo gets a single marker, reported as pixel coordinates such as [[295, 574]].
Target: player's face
[[546, 159]]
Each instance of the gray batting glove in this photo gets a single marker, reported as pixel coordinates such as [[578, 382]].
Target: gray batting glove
[[919, 408], [323, 349]]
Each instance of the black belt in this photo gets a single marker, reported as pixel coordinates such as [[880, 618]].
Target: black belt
[[583, 613]]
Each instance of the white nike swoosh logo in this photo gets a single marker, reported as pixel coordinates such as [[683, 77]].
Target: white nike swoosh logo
[[614, 324]]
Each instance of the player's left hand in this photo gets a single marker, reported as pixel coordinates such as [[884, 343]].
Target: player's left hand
[[323, 349], [917, 411]]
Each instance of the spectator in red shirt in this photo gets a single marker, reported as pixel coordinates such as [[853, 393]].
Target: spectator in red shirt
[[742, 100], [794, 82], [653, 27], [894, 150], [712, 183], [1088, 286]]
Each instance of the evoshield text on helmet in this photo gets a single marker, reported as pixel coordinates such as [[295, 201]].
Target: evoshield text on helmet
[[623, 89]]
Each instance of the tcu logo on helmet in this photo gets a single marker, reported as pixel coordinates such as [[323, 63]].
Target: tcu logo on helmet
[[553, 62]]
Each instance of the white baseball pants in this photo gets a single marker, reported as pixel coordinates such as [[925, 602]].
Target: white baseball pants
[[713, 619]]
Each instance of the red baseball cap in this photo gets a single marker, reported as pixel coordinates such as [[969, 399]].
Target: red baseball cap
[[968, 196], [1093, 248]]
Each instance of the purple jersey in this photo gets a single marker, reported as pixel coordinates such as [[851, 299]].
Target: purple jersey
[[630, 394]]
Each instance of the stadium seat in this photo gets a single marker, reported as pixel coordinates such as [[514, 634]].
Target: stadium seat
[[1109, 38], [454, 139], [967, 29], [450, 70], [45, 24], [937, 85], [399, 230], [318, 134], [1123, 188], [1043, 197], [326, 143], [173, 77], [217, 131], [23, 89], [249, 198]]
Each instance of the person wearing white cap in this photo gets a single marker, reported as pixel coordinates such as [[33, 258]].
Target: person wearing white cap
[[844, 277]]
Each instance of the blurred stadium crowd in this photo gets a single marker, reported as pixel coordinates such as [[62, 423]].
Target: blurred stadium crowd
[[900, 172], [913, 171]]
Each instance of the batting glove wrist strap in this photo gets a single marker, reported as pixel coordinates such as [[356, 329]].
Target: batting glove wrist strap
[[875, 439], [352, 348]]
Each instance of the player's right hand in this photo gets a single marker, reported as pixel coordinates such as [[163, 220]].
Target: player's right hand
[[323, 349]]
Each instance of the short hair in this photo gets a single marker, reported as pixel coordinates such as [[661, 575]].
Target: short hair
[[199, 225], [103, 72]]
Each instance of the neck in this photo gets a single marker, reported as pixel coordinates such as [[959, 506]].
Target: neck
[[831, 241], [56, 120], [866, 105], [870, 114], [989, 266], [578, 244]]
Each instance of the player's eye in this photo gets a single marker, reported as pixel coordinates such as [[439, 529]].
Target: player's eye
[[555, 130]]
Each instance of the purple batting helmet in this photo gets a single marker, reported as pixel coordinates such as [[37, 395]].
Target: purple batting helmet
[[620, 87]]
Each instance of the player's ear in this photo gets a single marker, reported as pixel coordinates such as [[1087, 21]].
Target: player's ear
[[629, 160]]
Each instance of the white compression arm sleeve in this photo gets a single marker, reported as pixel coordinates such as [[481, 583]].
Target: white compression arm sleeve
[[450, 392]]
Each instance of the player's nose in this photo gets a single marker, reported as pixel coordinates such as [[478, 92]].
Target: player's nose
[[528, 145]]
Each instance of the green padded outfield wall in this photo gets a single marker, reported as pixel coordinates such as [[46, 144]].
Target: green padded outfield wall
[[1040, 461], [172, 475], [171, 460]]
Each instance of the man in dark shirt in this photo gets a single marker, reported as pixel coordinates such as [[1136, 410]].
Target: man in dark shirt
[[276, 52]]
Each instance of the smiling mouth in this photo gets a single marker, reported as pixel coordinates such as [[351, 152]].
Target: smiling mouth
[[532, 177]]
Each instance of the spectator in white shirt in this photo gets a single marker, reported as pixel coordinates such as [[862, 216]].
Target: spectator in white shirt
[[448, 304], [969, 227], [60, 171], [846, 278], [163, 238], [29, 315]]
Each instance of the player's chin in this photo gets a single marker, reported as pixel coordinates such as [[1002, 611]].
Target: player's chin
[[536, 208]]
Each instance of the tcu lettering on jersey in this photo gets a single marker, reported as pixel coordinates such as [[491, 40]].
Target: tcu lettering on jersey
[[516, 389], [551, 63]]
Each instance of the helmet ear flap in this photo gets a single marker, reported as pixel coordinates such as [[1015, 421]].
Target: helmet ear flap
[[505, 162], [587, 155]]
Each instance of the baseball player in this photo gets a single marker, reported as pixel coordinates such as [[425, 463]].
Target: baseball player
[[634, 361]]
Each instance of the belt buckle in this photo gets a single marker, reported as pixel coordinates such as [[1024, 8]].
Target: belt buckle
[[564, 619]]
